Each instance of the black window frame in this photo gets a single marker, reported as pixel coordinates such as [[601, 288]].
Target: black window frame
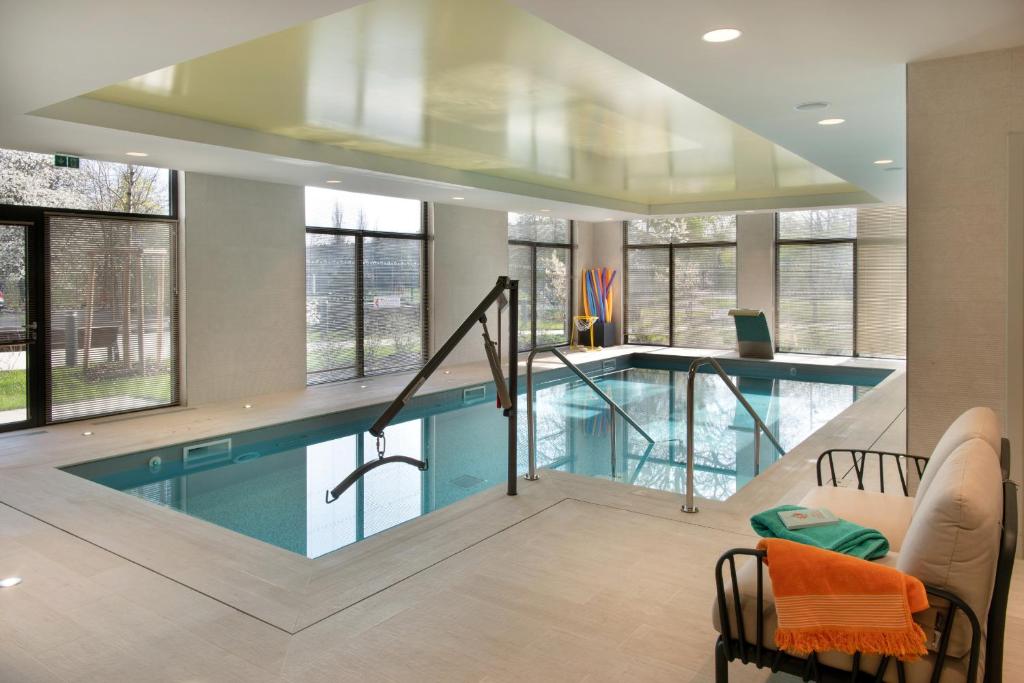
[[424, 236], [38, 247], [534, 245], [670, 247], [780, 242]]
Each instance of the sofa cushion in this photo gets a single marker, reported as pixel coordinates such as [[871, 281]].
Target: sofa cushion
[[955, 670], [953, 539], [888, 513], [976, 423]]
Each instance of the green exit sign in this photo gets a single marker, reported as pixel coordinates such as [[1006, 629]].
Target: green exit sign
[[65, 161]]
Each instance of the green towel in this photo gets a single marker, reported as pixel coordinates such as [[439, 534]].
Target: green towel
[[844, 537]]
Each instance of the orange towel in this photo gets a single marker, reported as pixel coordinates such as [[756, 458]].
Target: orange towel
[[829, 601]]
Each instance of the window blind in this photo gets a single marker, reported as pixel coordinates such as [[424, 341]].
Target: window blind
[[818, 224], [331, 296], [520, 267], [682, 230], [528, 227], [647, 296], [540, 257], [366, 285], [815, 298], [552, 288], [703, 291], [687, 304], [113, 315], [393, 310], [882, 282]]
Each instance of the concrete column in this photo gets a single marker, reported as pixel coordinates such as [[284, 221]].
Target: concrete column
[[755, 264], [470, 250]]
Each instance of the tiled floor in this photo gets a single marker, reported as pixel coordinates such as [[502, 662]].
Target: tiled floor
[[575, 579]]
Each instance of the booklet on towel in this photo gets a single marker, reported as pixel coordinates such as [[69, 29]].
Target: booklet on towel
[[804, 519]]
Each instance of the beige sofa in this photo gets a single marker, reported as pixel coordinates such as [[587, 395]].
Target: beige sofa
[[958, 535]]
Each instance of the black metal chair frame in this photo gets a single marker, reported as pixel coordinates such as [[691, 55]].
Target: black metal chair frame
[[732, 646]]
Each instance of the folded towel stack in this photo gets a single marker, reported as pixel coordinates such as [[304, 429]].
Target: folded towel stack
[[842, 537]]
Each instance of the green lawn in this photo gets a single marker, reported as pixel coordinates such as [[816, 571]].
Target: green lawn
[[72, 384], [13, 386]]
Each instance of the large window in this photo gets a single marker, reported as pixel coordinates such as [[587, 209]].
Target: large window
[[540, 257], [841, 281], [366, 298], [31, 179], [815, 281], [681, 281], [88, 288], [113, 315]]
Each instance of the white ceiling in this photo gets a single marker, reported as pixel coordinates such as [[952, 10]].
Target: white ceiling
[[851, 54]]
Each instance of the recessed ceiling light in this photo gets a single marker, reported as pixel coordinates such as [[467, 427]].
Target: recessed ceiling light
[[831, 122], [811, 106], [332, 182], [362, 386], [10, 582], [883, 162], [136, 154], [458, 199], [545, 210], [247, 406], [721, 35], [86, 433]]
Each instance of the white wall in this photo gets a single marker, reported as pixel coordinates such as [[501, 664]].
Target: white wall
[[243, 288], [470, 251], [960, 112], [755, 264]]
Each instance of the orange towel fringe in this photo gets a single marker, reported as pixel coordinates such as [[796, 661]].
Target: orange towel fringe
[[904, 646], [826, 601]]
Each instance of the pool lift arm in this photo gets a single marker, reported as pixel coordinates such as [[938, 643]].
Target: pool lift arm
[[507, 392]]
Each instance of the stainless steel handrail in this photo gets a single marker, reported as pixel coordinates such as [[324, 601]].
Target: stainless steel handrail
[[531, 428], [759, 424]]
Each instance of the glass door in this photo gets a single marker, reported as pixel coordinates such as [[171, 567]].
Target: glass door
[[17, 326]]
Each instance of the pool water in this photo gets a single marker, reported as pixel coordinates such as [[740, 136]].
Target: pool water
[[271, 484]]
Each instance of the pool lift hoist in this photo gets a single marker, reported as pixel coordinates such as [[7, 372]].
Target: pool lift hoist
[[507, 391]]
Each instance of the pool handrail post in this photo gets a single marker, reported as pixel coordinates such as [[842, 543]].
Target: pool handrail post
[[531, 473], [689, 506], [513, 383], [759, 425]]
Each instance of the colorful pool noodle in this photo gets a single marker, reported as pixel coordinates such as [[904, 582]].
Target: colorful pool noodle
[[598, 294]]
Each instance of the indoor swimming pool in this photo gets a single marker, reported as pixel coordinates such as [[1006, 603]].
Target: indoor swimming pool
[[270, 483]]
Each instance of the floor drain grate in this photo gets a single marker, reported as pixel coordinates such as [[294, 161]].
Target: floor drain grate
[[467, 481]]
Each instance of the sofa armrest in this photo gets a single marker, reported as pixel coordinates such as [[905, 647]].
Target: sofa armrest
[[859, 459], [739, 646]]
